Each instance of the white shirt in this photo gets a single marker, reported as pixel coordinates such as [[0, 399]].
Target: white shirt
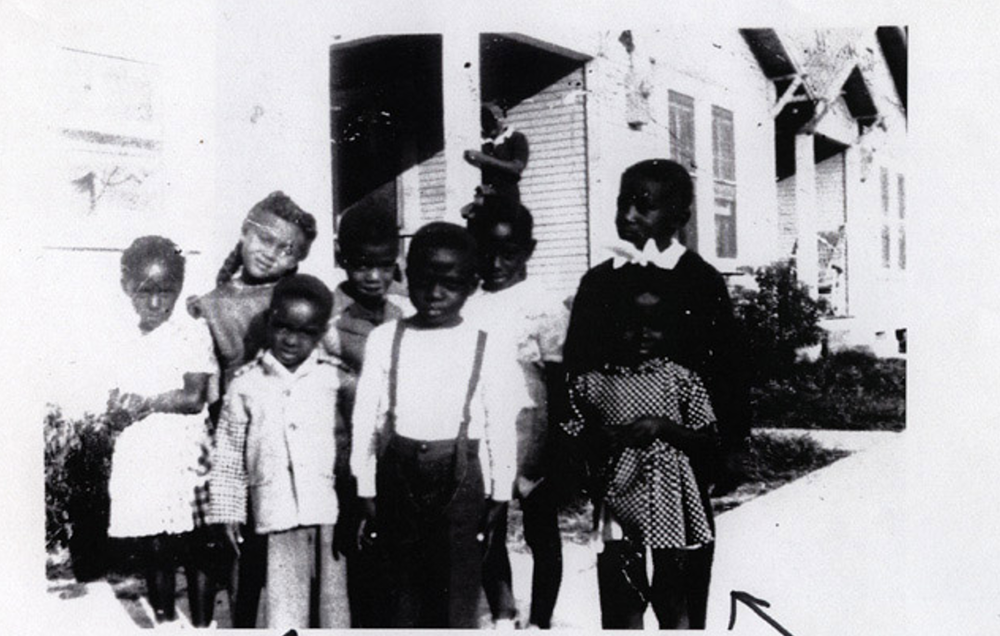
[[529, 321], [432, 381]]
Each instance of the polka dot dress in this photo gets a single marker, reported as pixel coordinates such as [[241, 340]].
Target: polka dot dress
[[651, 491]]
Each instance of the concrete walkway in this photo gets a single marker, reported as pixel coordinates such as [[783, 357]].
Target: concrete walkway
[[825, 551], [83, 608]]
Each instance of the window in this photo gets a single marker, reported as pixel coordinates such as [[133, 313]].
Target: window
[[901, 202], [724, 173], [681, 127], [886, 235], [682, 130]]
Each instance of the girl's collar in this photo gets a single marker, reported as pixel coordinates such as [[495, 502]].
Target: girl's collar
[[649, 364], [238, 283]]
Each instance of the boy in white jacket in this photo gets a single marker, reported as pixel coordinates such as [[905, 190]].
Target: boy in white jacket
[[275, 454]]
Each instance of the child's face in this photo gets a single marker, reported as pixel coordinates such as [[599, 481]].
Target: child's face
[[643, 213], [370, 271], [490, 122], [271, 246], [154, 291], [294, 328], [503, 260], [440, 285], [642, 337]]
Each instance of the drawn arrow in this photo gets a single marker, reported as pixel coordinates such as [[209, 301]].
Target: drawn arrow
[[755, 604]]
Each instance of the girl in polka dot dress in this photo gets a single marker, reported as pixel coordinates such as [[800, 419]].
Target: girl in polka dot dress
[[653, 423]]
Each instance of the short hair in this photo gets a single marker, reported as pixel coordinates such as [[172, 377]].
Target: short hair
[[672, 176], [441, 235], [495, 210], [491, 111], [304, 287], [146, 249], [367, 223]]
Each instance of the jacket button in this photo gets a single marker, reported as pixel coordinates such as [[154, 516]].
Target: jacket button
[[423, 447]]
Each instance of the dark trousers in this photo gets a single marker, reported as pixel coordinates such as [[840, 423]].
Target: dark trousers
[[497, 578], [366, 588], [541, 533], [249, 574], [679, 591], [428, 521]]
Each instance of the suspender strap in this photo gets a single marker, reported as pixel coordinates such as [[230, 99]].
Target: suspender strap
[[477, 369], [397, 340], [461, 443]]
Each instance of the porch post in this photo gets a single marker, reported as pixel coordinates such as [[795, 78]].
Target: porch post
[[807, 257], [461, 100], [857, 253]]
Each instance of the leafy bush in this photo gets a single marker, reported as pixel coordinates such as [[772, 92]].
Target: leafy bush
[[77, 467], [851, 389], [777, 319]]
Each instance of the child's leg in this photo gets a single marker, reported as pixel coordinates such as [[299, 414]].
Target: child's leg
[[463, 517], [250, 572], [496, 569], [331, 583], [541, 532], [160, 566], [680, 587], [621, 579], [464, 557], [699, 577], [205, 561], [288, 595]]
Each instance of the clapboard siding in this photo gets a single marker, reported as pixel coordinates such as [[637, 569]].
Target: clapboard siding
[[554, 185], [432, 189]]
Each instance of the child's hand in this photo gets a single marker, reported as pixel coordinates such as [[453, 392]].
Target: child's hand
[[494, 510], [344, 534], [234, 537], [366, 533], [125, 409], [644, 430], [524, 486], [472, 156], [136, 406]]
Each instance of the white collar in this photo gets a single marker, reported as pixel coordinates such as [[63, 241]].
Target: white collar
[[502, 137], [625, 253], [274, 367]]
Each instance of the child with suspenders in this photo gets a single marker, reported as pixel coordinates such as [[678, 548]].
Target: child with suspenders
[[431, 458]]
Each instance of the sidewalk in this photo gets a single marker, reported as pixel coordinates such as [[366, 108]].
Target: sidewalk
[[826, 551]]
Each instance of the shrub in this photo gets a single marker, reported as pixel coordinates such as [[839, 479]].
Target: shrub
[[851, 389], [777, 319], [77, 467]]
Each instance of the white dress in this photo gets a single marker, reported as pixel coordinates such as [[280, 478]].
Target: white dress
[[155, 467]]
